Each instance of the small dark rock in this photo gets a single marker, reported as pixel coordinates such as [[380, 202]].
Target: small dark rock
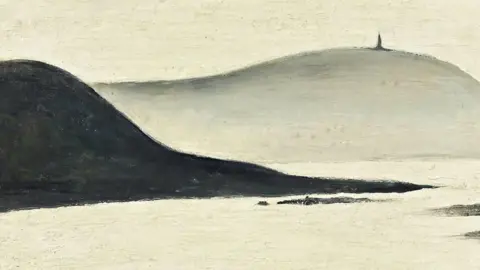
[[263, 203], [309, 200], [460, 210], [475, 235]]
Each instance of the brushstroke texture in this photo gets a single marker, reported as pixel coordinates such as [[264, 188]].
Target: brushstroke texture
[[459, 210], [474, 235], [312, 200]]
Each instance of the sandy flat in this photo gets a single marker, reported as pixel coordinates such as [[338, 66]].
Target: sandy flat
[[237, 234]]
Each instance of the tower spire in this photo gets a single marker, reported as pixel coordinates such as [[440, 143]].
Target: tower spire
[[379, 43]]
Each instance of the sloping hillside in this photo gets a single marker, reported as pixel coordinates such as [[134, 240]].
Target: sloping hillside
[[331, 105]]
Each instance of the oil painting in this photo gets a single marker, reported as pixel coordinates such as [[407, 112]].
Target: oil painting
[[225, 134]]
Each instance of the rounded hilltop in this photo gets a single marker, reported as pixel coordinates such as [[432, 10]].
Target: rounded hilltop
[[61, 143], [333, 105]]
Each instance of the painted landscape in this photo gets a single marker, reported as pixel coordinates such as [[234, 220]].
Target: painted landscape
[[342, 157]]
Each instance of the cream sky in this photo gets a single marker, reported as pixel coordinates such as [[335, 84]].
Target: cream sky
[[104, 40]]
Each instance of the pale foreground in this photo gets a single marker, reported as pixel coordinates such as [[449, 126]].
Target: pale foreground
[[230, 234]]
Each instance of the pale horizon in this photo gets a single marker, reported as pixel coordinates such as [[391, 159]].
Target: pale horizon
[[116, 41]]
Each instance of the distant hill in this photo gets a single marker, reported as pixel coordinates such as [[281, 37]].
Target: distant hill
[[62, 144], [332, 105]]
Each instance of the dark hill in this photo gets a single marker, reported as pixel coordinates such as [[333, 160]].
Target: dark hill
[[63, 144]]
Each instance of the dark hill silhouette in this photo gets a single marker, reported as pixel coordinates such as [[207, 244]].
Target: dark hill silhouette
[[63, 144]]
